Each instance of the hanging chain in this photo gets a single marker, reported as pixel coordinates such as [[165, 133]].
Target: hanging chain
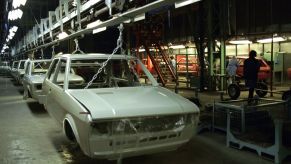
[[119, 46], [41, 51], [53, 51], [77, 47]]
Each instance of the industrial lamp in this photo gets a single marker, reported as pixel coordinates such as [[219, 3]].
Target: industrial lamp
[[240, 41], [269, 40]]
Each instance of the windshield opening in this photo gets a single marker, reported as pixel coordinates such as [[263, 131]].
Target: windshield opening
[[117, 73], [40, 67]]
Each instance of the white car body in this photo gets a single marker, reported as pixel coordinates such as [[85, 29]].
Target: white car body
[[117, 115], [4, 67], [20, 71], [34, 75], [13, 70]]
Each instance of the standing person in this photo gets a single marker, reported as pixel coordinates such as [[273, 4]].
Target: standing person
[[231, 69], [173, 62], [251, 69]]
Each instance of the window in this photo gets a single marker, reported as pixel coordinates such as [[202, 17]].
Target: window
[[21, 65], [52, 70], [40, 67], [61, 72], [117, 73], [15, 64]]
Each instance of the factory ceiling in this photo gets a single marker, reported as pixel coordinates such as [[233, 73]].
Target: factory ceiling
[[244, 16]]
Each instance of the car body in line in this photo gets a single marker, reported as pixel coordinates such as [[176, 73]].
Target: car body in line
[[4, 67], [19, 72], [34, 75], [190, 66], [13, 71], [118, 114], [193, 66]]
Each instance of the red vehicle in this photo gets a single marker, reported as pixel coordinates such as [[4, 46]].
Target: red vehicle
[[193, 66], [263, 75], [264, 72]]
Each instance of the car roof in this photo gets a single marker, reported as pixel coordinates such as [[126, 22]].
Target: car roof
[[41, 60], [94, 56]]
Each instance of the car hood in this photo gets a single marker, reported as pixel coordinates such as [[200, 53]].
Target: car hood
[[132, 102], [37, 78]]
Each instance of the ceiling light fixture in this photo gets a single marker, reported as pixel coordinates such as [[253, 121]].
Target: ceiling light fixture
[[94, 24], [185, 3], [269, 40], [244, 41], [15, 14], [99, 30], [18, 3], [177, 46], [62, 35], [136, 19]]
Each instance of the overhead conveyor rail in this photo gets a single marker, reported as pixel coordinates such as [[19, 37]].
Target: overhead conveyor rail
[[45, 33]]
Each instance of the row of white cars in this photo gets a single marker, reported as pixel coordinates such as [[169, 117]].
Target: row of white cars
[[106, 107], [4, 67]]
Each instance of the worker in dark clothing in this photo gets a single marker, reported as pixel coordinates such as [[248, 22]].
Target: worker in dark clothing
[[251, 69]]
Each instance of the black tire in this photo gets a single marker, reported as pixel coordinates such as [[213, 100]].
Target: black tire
[[29, 94], [263, 89], [233, 91], [286, 95]]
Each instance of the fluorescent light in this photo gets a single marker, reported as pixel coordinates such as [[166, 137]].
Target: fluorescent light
[[15, 14], [240, 42], [62, 35], [177, 46], [139, 17], [74, 3], [94, 24], [99, 30], [136, 19], [269, 40], [18, 3], [141, 50], [185, 3], [14, 28]]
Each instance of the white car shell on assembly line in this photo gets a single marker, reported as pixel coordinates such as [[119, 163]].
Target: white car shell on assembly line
[[34, 75], [116, 114]]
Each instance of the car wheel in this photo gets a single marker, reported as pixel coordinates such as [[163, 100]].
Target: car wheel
[[69, 132], [286, 95], [263, 89], [29, 94], [233, 91]]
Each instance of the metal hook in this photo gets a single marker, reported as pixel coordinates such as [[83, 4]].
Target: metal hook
[[53, 51], [77, 47]]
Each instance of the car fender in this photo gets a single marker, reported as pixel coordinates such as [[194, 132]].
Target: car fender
[[71, 121]]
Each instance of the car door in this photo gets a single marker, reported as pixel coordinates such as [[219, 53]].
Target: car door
[[54, 89]]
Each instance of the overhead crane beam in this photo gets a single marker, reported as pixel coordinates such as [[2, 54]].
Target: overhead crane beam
[[117, 19]]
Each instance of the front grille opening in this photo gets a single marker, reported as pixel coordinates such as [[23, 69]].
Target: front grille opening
[[144, 140], [162, 137], [172, 135], [153, 138]]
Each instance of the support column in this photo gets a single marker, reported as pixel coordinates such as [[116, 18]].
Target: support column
[[222, 63]]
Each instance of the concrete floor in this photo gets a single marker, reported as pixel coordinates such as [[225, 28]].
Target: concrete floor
[[29, 135]]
